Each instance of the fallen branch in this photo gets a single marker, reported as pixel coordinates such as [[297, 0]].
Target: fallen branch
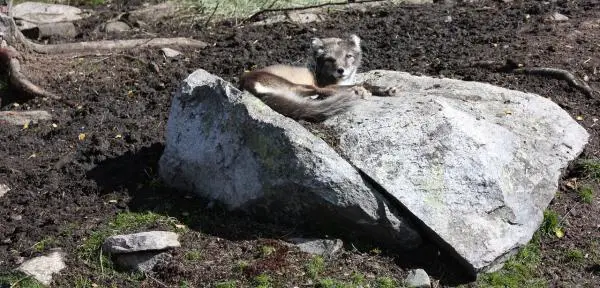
[[255, 15], [93, 47], [561, 75], [511, 66]]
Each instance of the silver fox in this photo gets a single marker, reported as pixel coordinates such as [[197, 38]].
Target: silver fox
[[289, 89]]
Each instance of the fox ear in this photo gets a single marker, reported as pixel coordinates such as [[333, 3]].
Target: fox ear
[[354, 39], [317, 45]]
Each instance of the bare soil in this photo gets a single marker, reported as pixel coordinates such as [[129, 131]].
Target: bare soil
[[64, 188]]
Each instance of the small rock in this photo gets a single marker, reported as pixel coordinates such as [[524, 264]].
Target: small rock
[[559, 17], [144, 241], [448, 19], [417, 278], [590, 24], [3, 189], [16, 217], [61, 29], [42, 267], [140, 261], [116, 27], [23, 117], [305, 17], [323, 247], [170, 53]]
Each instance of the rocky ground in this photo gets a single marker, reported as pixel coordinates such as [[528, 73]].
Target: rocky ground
[[90, 172]]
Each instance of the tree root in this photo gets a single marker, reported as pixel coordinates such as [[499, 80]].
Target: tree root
[[10, 64], [511, 66], [95, 46], [20, 83], [559, 74]]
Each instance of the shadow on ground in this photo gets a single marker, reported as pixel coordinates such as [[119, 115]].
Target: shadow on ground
[[137, 175]]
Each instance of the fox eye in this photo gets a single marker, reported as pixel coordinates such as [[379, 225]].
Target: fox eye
[[348, 56]]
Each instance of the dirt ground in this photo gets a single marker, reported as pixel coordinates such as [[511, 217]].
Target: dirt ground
[[64, 188]]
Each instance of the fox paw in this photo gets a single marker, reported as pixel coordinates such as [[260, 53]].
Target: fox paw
[[393, 91], [361, 92]]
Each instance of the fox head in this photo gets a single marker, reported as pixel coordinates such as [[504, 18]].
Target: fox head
[[336, 59]]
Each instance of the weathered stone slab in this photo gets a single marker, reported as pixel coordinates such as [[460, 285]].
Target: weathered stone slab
[[476, 163], [143, 241]]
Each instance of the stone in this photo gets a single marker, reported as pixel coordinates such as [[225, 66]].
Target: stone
[[228, 146], [170, 53], [323, 247], [558, 17], [417, 278], [31, 14], [116, 27], [62, 29], [23, 117], [477, 164], [4, 189], [140, 261], [143, 241], [305, 17], [41, 268], [590, 24]]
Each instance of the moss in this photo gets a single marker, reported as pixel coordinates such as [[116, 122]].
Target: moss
[[519, 271], [315, 267], [586, 194]]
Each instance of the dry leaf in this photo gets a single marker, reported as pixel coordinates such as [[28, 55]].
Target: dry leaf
[[559, 232]]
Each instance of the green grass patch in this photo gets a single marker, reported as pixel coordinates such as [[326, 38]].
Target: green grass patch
[[586, 194], [47, 242], [386, 282], [357, 278], [551, 223], [226, 284], [267, 250], [193, 255], [245, 8], [241, 265], [591, 168], [19, 280], [315, 266], [126, 222], [333, 283], [263, 281], [519, 271], [574, 256]]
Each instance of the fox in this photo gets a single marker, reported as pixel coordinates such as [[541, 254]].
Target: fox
[[314, 94]]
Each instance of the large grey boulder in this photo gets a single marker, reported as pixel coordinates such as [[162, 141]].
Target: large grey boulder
[[227, 145], [476, 163]]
